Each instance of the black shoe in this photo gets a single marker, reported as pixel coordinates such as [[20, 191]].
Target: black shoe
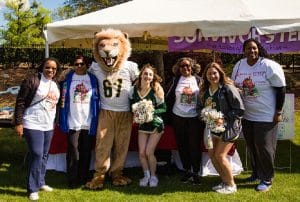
[[186, 177], [196, 179], [73, 185], [252, 178]]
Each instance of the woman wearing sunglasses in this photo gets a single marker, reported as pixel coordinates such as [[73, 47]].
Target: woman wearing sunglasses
[[79, 118], [181, 99]]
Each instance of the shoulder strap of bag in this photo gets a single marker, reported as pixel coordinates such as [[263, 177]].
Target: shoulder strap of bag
[[42, 98]]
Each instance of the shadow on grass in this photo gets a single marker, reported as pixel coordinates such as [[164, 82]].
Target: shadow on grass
[[13, 171], [12, 192], [168, 183], [286, 158], [13, 178]]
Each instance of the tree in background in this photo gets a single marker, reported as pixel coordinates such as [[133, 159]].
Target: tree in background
[[25, 25], [74, 8]]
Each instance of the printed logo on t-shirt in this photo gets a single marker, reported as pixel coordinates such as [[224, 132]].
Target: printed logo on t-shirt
[[249, 88], [80, 93], [188, 97], [50, 101], [210, 103]]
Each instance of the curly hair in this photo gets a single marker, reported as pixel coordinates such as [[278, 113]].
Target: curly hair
[[155, 84], [262, 52], [196, 68], [223, 78]]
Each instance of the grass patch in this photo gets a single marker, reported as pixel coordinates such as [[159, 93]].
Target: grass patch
[[286, 186]]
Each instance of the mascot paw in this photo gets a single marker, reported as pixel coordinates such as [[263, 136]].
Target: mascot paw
[[121, 181], [96, 183]]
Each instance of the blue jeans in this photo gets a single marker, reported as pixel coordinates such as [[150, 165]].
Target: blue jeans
[[38, 145]]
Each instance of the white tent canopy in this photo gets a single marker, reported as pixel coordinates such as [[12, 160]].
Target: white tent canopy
[[164, 18]]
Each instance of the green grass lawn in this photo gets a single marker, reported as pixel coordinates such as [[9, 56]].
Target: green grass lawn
[[286, 185]]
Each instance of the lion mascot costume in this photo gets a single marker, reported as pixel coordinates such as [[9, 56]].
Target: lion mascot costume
[[115, 75]]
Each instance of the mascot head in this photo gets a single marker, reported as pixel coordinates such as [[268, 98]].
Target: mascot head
[[111, 49]]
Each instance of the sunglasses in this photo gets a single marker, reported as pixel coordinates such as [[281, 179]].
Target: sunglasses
[[80, 63], [184, 65]]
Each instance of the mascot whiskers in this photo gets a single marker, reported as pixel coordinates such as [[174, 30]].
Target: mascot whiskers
[[115, 75]]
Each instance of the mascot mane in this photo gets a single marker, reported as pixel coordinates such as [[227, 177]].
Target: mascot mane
[[111, 49]]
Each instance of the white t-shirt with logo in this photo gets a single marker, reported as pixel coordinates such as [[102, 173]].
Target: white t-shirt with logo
[[256, 83], [41, 116], [80, 99], [186, 92], [114, 88]]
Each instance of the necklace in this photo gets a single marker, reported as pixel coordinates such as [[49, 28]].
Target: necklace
[[212, 91]]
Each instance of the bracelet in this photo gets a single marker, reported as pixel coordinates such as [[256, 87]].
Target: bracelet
[[279, 112]]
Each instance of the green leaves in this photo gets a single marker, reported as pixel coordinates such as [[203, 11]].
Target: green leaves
[[25, 25], [74, 8]]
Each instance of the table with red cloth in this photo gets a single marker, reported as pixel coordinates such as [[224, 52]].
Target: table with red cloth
[[167, 141], [58, 148]]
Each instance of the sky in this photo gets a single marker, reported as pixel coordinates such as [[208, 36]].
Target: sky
[[49, 4]]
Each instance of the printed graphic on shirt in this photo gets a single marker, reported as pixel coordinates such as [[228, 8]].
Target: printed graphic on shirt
[[249, 88], [210, 103], [112, 88], [81, 93], [50, 101], [187, 96]]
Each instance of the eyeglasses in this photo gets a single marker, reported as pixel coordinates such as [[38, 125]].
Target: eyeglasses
[[53, 68], [184, 65], [80, 63]]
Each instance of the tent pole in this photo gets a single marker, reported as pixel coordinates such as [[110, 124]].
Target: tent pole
[[46, 42], [252, 32], [46, 49]]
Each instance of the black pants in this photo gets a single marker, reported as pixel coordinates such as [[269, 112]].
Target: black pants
[[80, 145], [189, 135], [261, 141]]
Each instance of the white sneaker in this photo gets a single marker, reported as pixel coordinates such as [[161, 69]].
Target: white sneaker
[[153, 182], [226, 189], [34, 196], [144, 181], [46, 188], [219, 186]]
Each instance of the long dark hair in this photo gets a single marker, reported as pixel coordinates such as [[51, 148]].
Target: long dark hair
[[262, 52], [41, 67]]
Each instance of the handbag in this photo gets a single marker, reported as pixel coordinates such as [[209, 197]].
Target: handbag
[[233, 130], [233, 127]]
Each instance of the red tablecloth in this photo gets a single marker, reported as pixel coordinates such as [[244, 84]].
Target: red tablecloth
[[167, 141]]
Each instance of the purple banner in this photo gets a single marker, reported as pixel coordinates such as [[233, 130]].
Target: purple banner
[[273, 43]]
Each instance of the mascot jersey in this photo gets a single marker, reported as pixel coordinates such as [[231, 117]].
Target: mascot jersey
[[114, 87]]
